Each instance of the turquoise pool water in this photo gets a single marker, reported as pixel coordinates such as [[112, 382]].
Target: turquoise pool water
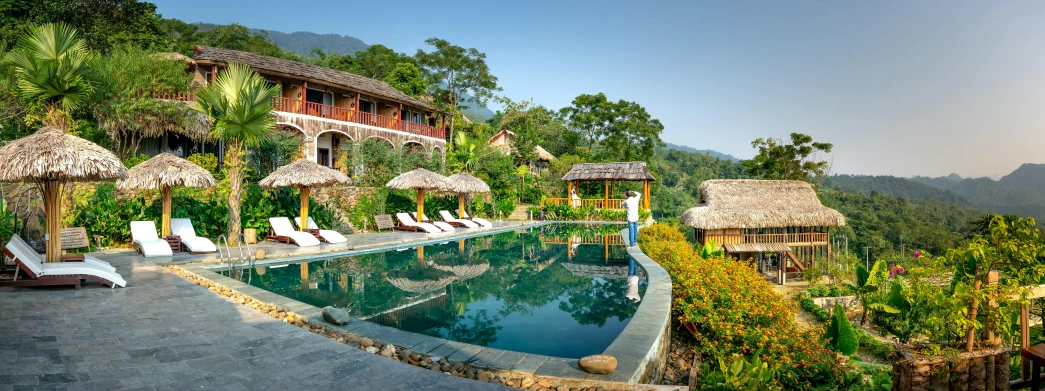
[[557, 290]]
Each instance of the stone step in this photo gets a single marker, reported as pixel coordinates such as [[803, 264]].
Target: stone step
[[521, 212]]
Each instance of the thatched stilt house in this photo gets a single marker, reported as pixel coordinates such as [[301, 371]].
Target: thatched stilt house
[[751, 219]]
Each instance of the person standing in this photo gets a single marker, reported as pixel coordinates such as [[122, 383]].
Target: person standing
[[632, 206]]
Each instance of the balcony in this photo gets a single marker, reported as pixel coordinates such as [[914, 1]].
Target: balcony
[[597, 203], [335, 113], [796, 239]]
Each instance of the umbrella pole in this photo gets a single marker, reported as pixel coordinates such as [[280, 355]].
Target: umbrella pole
[[52, 211], [460, 205], [420, 204], [165, 225], [304, 208]]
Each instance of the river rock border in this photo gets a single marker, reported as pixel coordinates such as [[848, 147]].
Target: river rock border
[[648, 332]]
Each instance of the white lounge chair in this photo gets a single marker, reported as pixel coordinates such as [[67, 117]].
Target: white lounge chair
[[449, 219], [326, 234], [407, 223], [149, 244], [282, 231], [196, 244], [483, 222], [18, 241], [56, 273], [439, 224]]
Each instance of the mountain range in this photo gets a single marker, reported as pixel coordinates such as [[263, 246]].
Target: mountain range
[[714, 154]]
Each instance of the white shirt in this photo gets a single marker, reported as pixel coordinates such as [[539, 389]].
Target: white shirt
[[632, 204]]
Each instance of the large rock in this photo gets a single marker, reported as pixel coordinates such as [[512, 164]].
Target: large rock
[[600, 364], [336, 316]]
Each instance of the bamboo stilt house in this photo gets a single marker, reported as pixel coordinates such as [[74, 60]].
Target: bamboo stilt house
[[752, 218], [606, 173]]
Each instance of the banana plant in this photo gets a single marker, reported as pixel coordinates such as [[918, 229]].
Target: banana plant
[[867, 284]]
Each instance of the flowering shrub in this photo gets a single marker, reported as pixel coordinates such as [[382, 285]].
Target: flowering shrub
[[731, 309]]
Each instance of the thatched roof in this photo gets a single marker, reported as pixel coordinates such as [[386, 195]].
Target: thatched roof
[[308, 72], [465, 272], [52, 155], [543, 154], [422, 286], [165, 170], [630, 171], [464, 183], [751, 203], [421, 179], [304, 173]]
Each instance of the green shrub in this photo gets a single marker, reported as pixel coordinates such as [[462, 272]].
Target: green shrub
[[842, 334], [207, 160], [739, 374]]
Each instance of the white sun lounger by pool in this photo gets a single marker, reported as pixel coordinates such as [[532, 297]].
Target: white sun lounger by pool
[[449, 219], [439, 224], [196, 244], [86, 258], [149, 244], [282, 231], [326, 234], [482, 222], [407, 223], [57, 273]]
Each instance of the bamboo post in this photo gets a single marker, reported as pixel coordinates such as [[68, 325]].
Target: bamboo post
[[421, 254], [304, 275], [606, 203], [420, 204], [165, 223], [1024, 339], [992, 279], [304, 209], [460, 206], [645, 193], [52, 209]]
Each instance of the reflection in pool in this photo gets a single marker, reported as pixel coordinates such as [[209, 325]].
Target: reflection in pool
[[559, 290]]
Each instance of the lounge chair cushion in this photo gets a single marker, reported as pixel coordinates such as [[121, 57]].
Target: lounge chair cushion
[[449, 218], [196, 244], [281, 227], [482, 222], [439, 224], [144, 235], [326, 234], [407, 220], [35, 263]]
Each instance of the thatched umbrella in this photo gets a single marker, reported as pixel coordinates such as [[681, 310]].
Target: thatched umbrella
[[50, 158], [304, 174], [464, 183], [166, 171], [421, 180]]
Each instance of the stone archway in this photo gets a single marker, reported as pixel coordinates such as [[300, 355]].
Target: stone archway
[[329, 145], [312, 127]]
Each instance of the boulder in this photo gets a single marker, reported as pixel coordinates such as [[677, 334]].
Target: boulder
[[335, 315], [260, 254], [388, 351], [366, 342], [599, 364]]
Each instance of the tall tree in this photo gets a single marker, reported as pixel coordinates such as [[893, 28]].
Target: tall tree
[[103, 24], [50, 63], [633, 133], [590, 116], [456, 71], [407, 78], [238, 102], [798, 160]]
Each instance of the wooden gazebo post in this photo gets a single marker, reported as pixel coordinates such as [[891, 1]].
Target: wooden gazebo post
[[606, 203], [645, 193]]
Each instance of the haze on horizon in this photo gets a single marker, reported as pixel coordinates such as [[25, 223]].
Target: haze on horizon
[[900, 88]]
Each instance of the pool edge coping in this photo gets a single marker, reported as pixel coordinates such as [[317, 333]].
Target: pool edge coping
[[651, 338]]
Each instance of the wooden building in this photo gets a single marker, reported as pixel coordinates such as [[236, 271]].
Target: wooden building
[[606, 173], [765, 220], [504, 142]]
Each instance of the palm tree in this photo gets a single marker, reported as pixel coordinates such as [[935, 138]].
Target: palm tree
[[239, 102], [50, 62]]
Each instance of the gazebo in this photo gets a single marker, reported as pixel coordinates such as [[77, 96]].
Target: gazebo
[[304, 174], [750, 218], [606, 173]]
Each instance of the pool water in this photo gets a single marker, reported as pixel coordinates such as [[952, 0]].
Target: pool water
[[557, 290]]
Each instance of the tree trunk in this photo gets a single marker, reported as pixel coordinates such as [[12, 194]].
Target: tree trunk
[[974, 307], [234, 167], [52, 210]]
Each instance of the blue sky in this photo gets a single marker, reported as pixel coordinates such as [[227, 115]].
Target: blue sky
[[900, 88]]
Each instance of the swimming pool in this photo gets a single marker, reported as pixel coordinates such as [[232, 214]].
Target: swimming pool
[[558, 290]]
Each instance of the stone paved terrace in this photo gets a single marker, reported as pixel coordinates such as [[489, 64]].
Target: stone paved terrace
[[164, 332]]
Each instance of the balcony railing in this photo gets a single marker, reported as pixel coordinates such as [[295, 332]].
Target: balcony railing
[[298, 106], [597, 203], [804, 237]]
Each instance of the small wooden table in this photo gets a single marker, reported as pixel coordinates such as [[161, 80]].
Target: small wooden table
[[315, 232], [1036, 355], [175, 242]]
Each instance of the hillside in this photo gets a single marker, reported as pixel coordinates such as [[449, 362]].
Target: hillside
[[1028, 175], [897, 187], [302, 42], [714, 154], [1018, 193]]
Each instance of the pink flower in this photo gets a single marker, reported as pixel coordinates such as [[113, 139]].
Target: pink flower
[[917, 254]]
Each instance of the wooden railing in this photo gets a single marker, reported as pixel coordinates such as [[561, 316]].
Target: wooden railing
[[281, 103], [597, 203], [613, 240], [804, 237]]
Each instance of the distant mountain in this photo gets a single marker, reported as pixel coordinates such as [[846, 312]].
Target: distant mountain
[[1028, 175], [897, 187], [302, 42], [714, 154]]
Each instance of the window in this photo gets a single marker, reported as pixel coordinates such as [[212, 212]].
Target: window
[[367, 107], [206, 76], [417, 118], [323, 157]]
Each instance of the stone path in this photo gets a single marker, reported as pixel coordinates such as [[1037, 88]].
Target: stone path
[[163, 332]]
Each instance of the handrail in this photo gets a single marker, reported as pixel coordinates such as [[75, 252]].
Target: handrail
[[221, 257], [597, 203], [250, 255]]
